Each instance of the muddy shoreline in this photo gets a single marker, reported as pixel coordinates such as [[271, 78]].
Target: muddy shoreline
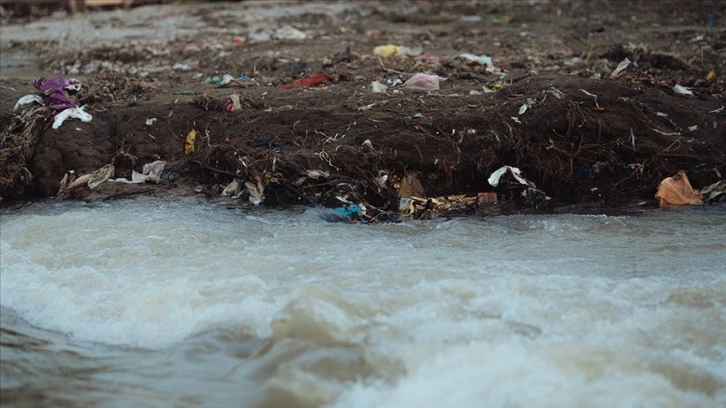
[[549, 104]]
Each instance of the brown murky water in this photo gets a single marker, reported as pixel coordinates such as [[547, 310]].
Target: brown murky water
[[159, 303]]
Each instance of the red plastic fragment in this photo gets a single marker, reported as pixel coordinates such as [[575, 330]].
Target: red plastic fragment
[[308, 82]]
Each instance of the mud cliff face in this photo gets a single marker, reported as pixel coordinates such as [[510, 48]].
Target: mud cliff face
[[535, 86]]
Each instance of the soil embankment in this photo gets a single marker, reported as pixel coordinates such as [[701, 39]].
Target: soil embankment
[[548, 102]]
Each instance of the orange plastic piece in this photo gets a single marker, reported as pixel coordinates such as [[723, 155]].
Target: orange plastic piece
[[677, 190]]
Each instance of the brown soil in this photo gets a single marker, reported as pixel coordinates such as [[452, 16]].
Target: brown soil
[[586, 139]]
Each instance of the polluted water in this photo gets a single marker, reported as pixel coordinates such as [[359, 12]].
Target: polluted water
[[155, 303]]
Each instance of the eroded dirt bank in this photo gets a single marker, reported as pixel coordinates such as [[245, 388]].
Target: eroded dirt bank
[[548, 103]]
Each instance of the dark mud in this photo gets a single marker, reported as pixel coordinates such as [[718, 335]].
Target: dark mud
[[585, 139]]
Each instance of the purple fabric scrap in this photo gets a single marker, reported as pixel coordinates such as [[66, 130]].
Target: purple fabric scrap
[[53, 90]]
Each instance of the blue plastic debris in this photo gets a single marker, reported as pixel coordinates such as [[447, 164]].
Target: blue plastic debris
[[348, 213]]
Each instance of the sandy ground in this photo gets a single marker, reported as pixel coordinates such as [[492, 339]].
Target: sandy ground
[[550, 101]]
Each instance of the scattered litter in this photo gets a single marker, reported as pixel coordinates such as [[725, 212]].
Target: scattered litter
[[425, 208], [621, 67], [151, 172], [181, 67], [711, 75], [391, 50], [555, 92], [719, 110], [307, 82], [571, 62], [518, 185], [27, 100], [77, 113], [382, 180], [347, 213], [677, 190], [54, 90], [234, 104], [289, 33], [386, 50], [714, 192], [316, 174], [189, 141], [424, 82], [261, 36], [516, 120], [377, 87], [484, 60], [527, 105], [514, 171], [150, 121], [92, 180], [682, 90], [48, 86], [226, 78], [256, 191], [368, 144], [233, 189]]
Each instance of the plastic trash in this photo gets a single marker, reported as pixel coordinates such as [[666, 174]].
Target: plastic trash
[[424, 82], [256, 190], [316, 174], [54, 90], [378, 87], [289, 33], [392, 50], [151, 172], [308, 82], [484, 60], [714, 192], [347, 213], [514, 171], [233, 189], [386, 50], [27, 100], [524, 189], [621, 67], [261, 36], [77, 113], [234, 104], [227, 78], [682, 90], [92, 180], [189, 141], [48, 86], [677, 190], [181, 67]]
